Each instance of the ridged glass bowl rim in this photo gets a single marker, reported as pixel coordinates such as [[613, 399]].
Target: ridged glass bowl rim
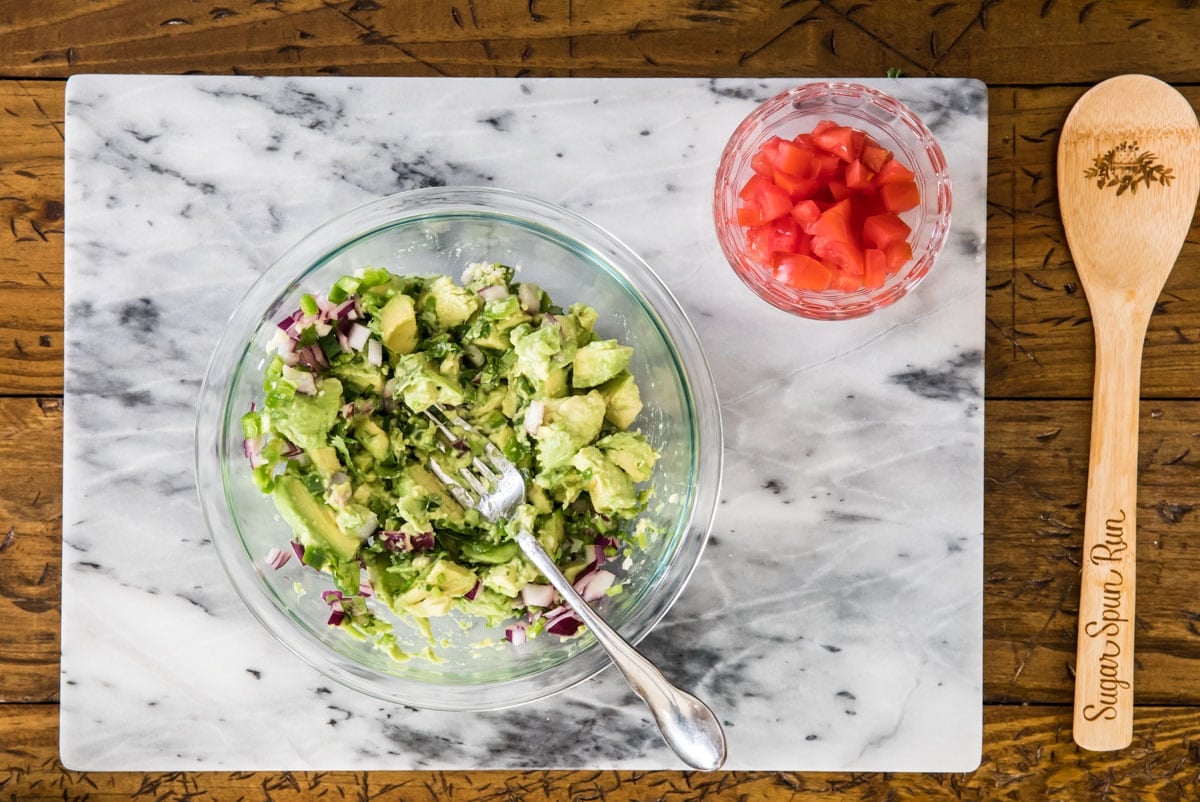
[[829, 305], [262, 302]]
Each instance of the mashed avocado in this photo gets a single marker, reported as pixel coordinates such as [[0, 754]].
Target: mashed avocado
[[341, 444]]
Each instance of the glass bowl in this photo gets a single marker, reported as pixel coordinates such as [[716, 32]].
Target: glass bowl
[[891, 124], [441, 230]]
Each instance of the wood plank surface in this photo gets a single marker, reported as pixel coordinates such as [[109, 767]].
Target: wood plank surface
[[1024, 41], [31, 237], [1028, 755], [30, 548], [1039, 55]]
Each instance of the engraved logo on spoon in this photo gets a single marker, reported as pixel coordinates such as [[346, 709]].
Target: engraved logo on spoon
[[1125, 166]]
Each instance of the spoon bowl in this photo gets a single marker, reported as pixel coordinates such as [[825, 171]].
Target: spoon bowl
[[1128, 178]]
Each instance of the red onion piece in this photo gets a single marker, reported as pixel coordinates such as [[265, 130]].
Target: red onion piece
[[342, 310], [365, 589], [277, 559], [473, 592], [564, 625], [594, 586], [537, 595], [288, 322], [252, 448], [401, 541], [493, 292], [358, 336], [298, 548], [336, 617], [534, 416], [515, 634], [331, 596]]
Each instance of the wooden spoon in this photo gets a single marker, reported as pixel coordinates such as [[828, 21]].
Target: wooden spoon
[[1128, 177]]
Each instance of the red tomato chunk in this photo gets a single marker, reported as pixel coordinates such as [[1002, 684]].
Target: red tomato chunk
[[822, 210]]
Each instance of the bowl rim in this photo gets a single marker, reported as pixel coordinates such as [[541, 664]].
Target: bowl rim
[[280, 279], [800, 302]]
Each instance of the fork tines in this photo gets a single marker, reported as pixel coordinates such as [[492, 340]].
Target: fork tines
[[479, 483]]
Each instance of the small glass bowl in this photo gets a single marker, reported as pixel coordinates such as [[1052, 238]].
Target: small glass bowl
[[441, 230], [890, 123]]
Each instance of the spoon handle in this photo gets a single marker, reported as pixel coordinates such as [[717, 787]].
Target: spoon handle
[[1104, 660], [687, 725]]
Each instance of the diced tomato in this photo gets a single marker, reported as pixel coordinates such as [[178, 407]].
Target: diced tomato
[[834, 223], [845, 282], [803, 273], [821, 210], [803, 140], [761, 164], [784, 234], [758, 245], [841, 254], [822, 127], [857, 140], [881, 230], [806, 212], [797, 188], [837, 140], [858, 175], [763, 201], [874, 268], [830, 166], [795, 160], [898, 255], [893, 172], [900, 197], [875, 156], [837, 189], [749, 214], [770, 149]]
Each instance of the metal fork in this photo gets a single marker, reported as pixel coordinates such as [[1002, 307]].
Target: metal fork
[[496, 488]]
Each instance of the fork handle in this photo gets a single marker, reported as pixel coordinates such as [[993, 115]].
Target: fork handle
[[687, 725]]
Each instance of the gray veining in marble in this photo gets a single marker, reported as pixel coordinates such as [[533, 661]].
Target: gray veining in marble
[[835, 621]]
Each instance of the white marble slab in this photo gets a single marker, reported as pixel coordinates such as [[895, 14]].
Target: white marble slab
[[836, 619]]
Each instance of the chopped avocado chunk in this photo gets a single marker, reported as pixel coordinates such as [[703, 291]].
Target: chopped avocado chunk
[[308, 418], [610, 488], [447, 304], [361, 375], [398, 324], [325, 460], [623, 400], [508, 578], [421, 385], [630, 452], [599, 361], [312, 521], [569, 424]]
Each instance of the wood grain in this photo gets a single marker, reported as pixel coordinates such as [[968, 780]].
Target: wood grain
[[30, 548], [1035, 480], [1040, 341], [31, 237], [1014, 42], [1028, 755], [1038, 359]]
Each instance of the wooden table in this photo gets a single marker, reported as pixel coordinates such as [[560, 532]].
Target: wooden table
[[1037, 56]]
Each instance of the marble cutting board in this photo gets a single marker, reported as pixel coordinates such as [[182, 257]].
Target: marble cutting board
[[835, 622]]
